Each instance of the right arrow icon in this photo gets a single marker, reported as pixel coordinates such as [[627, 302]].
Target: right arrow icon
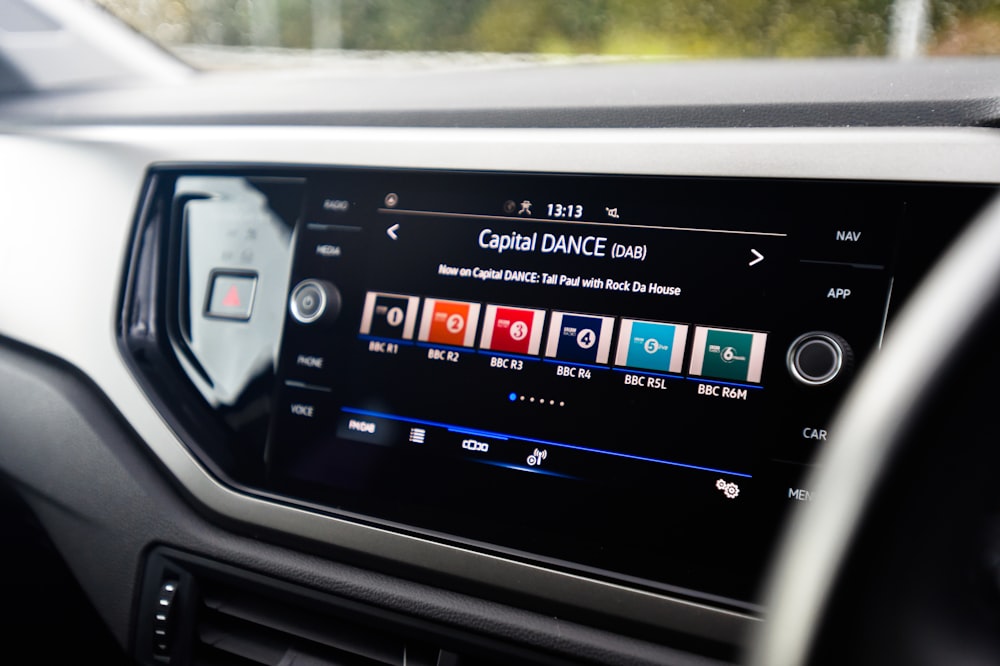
[[757, 257]]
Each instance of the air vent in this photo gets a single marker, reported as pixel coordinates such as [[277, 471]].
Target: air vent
[[239, 627], [195, 611]]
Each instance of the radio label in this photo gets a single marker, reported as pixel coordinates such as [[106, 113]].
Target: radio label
[[655, 383], [380, 347], [506, 363], [717, 391], [444, 355], [572, 371]]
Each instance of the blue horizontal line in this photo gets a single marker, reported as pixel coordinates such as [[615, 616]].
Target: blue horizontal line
[[433, 345], [481, 433], [484, 433], [395, 341], [502, 355], [645, 372], [522, 468], [578, 365], [716, 381]]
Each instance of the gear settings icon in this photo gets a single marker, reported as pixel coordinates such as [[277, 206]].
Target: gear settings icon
[[730, 490]]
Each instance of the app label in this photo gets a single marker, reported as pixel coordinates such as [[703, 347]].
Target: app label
[[651, 345], [580, 338], [449, 322], [389, 315], [515, 330], [728, 354]]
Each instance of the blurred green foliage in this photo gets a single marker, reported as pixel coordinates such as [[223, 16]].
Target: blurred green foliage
[[668, 28]]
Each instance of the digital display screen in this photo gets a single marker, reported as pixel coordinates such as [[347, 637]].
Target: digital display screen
[[588, 372]]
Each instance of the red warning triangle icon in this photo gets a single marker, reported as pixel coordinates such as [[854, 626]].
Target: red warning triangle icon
[[232, 299]]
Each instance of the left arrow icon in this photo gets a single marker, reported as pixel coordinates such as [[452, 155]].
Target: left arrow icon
[[391, 231]]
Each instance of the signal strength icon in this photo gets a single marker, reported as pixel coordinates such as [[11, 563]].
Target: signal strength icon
[[417, 435]]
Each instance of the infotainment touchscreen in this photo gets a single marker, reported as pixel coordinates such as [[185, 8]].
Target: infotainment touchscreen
[[600, 374]]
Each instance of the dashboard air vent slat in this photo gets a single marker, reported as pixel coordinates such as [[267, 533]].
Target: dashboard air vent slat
[[226, 616], [267, 631]]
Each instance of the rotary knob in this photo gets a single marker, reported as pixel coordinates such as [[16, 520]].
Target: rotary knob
[[818, 358], [314, 300]]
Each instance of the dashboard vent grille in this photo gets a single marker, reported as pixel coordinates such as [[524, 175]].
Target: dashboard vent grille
[[196, 611], [236, 627]]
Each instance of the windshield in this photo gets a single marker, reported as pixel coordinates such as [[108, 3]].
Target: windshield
[[217, 33]]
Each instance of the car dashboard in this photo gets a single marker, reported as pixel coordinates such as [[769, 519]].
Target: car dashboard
[[537, 387]]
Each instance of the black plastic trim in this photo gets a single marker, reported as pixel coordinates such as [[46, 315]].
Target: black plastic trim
[[197, 572], [105, 502]]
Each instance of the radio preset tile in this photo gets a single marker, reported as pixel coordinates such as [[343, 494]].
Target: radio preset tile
[[651, 345], [721, 353], [513, 330], [389, 315], [449, 322], [579, 338]]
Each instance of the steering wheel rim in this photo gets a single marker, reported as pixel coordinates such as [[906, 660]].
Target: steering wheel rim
[[888, 415]]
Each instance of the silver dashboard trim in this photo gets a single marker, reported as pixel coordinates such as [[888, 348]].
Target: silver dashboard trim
[[82, 185]]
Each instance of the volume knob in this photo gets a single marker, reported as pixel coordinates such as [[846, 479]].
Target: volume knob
[[818, 357], [313, 300]]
